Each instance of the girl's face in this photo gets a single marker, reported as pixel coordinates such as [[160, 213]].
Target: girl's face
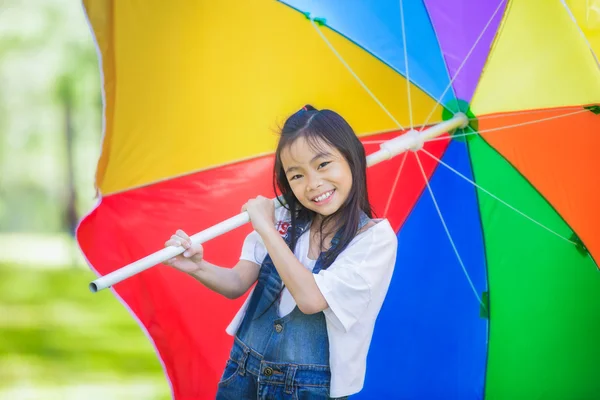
[[321, 180]]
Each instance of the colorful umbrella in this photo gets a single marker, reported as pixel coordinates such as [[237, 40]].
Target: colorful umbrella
[[495, 294]]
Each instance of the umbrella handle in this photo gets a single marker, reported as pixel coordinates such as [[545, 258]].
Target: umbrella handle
[[411, 140], [171, 251]]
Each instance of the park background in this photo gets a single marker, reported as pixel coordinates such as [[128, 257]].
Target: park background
[[57, 340]]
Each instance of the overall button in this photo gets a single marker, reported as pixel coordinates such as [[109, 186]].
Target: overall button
[[278, 328], [268, 371]]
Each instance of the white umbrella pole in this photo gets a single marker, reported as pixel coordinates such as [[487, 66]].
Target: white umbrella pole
[[411, 140]]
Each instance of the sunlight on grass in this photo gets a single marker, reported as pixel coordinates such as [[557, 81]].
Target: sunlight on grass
[[55, 250], [58, 341]]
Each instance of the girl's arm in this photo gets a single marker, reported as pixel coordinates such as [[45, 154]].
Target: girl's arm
[[295, 276], [299, 281], [231, 283]]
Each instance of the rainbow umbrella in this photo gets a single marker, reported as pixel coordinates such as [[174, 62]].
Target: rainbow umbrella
[[495, 293]]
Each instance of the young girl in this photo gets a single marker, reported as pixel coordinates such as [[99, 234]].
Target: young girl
[[323, 268]]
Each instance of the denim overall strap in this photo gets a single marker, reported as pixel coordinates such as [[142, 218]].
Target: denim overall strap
[[269, 283], [335, 241]]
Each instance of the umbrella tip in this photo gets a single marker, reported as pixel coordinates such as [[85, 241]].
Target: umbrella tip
[[320, 21], [595, 108]]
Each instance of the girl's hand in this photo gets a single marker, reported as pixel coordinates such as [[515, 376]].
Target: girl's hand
[[189, 261], [262, 213]]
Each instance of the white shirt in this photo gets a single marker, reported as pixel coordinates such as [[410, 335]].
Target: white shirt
[[354, 286]]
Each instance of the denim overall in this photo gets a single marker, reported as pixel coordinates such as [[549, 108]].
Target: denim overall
[[279, 357]]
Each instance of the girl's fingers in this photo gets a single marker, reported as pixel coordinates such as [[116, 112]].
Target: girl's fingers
[[177, 240], [182, 234], [193, 250], [187, 242], [176, 243], [170, 261], [173, 242], [182, 239]]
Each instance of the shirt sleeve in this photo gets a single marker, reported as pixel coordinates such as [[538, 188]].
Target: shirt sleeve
[[253, 248], [361, 269]]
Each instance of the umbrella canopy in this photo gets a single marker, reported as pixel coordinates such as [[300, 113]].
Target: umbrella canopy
[[495, 294]]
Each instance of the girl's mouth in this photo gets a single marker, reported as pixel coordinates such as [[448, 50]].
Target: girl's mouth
[[324, 198]]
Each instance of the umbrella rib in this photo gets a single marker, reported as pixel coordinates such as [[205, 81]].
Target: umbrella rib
[[381, 132], [587, 42], [405, 45], [508, 126], [389, 200], [464, 62], [533, 122], [437, 208], [496, 197], [374, 141], [354, 74], [522, 112]]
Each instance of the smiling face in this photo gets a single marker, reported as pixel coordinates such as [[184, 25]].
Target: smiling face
[[318, 175]]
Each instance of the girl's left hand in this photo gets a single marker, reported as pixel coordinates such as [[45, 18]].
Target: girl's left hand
[[262, 213]]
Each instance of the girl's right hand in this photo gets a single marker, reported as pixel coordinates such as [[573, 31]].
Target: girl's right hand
[[189, 261]]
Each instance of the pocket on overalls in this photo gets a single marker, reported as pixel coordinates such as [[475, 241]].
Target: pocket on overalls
[[230, 372]]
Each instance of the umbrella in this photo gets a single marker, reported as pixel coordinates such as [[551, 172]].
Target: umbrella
[[495, 294]]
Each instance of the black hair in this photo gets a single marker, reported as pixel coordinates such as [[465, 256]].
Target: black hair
[[316, 127]]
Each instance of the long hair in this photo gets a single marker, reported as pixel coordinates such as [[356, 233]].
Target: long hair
[[316, 127]]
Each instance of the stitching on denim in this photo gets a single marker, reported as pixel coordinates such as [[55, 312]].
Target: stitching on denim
[[243, 361], [289, 378], [227, 381], [306, 367], [324, 385]]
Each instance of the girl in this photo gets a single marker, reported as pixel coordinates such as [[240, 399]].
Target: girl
[[323, 268]]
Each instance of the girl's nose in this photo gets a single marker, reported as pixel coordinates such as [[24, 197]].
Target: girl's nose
[[314, 183]]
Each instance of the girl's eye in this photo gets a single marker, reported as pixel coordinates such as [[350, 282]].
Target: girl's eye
[[295, 177], [324, 164]]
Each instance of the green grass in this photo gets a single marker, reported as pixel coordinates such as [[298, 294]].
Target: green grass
[[58, 340]]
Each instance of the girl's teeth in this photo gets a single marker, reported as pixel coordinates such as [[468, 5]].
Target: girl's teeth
[[324, 196]]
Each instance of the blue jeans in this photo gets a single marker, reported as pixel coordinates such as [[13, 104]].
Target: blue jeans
[[248, 374]]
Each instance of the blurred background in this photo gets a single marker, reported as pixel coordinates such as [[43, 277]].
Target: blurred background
[[57, 340]]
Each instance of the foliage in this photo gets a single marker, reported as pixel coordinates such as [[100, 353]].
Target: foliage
[[57, 340], [47, 59]]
